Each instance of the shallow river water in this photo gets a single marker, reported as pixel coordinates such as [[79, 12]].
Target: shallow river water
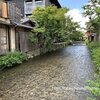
[[60, 75]]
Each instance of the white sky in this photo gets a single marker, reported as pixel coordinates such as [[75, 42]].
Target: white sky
[[78, 17]]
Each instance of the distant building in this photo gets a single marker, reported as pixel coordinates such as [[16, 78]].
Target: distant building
[[91, 36]]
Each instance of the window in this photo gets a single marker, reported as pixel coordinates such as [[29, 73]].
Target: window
[[3, 37], [3, 40], [38, 0], [28, 0]]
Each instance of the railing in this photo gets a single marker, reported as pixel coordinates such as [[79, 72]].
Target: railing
[[14, 13]]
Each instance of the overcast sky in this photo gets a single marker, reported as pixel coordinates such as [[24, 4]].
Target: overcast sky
[[76, 10]]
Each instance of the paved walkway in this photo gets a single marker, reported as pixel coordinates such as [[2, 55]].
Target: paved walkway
[[60, 75]]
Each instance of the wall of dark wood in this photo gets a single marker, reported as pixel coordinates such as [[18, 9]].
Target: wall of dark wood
[[20, 4]]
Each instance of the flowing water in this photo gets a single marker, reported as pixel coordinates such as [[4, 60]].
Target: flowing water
[[59, 75]]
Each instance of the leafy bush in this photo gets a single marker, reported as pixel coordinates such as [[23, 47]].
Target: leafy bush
[[76, 36], [93, 45], [11, 59], [95, 53], [96, 57], [94, 86]]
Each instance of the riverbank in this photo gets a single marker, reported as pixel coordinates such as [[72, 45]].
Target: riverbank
[[94, 86]]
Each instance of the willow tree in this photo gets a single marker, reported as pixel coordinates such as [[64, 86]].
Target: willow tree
[[50, 25]]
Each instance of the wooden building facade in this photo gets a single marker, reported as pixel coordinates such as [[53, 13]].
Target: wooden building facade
[[13, 34], [27, 6]]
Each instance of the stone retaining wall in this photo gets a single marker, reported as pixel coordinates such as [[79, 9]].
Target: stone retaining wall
[[41, 51]]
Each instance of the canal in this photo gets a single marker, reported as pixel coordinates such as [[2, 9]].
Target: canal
[[59, 75]]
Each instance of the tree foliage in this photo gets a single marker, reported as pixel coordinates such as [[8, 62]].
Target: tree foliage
[[73, 29], [50, 24], [92, 10]]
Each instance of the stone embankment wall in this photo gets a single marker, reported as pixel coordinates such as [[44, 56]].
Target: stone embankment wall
[[41, 51]]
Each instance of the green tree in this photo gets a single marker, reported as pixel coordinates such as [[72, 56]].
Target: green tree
[[72, 29], [92, 10], [50, 25]]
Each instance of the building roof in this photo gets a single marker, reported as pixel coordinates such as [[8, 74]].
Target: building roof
[[21, 25], [4, 23], [28, 21], [56, 3]]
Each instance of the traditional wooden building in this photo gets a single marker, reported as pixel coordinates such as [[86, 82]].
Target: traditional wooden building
[[92, 36], [13, 34], [4, 28], [27, 6]]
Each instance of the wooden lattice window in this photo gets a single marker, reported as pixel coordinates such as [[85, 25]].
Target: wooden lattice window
[[3, 40]]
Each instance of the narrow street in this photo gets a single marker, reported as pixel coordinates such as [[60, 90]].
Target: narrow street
[[59, 75]]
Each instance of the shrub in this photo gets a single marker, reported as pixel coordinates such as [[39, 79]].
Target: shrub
[[94, 86], [95, 53], [11, 59], [93, 45], [96, 57]]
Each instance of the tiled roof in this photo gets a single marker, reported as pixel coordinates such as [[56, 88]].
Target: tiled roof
[[21, 25]]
